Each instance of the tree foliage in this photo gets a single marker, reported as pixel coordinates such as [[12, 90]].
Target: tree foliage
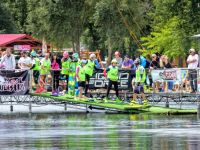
[[173, 24], [19, 12], [6, 21], [165, 26], [116, 21]]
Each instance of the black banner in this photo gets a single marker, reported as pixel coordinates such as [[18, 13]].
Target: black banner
[[98, 80], [14, 82]]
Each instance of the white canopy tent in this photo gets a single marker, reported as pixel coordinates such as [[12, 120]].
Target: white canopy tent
[[196, 36]]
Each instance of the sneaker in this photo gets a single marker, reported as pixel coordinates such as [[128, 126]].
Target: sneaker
[[37, 91], [133, 102], [105, 100], [118, 100], [55, 93], [145, 102], [91, 100], [42, 89]]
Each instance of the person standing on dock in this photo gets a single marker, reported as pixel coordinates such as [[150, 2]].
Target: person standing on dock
[[65, 69], [44, 71], [192, 62], [113, 73], [80, 75], [36, 70], [55, 73], [89, 69], [138, 83], [72, 74]]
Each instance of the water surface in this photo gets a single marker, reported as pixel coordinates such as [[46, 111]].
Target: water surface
[[99, 131]]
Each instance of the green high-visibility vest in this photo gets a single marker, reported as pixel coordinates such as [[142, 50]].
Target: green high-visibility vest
[[47, 66], [89, 67], [37, 64], [72, 68], [113, 73], [65, 67], [140, 77], [81, 73]]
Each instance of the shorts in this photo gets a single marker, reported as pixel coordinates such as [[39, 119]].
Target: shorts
[[87, 78], [139, 89], [81, 84]]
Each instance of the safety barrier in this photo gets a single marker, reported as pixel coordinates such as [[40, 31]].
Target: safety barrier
[[18, 81]]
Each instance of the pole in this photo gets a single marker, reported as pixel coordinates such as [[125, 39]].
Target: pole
[[65, 106], [30, 106], [167, 103], [198, 112], [11, 107]]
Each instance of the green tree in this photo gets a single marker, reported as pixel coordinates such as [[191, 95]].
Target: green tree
[[173, 24], [58, 21], [168, 40], [19, 12], [6, 20], [117, 21]]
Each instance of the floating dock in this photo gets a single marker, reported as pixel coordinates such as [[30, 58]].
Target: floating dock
[[123, 107]]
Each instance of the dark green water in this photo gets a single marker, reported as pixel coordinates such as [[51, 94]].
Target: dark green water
[[99, 131]]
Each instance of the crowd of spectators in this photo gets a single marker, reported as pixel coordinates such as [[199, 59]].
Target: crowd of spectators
[[157, 61], [153, 62]]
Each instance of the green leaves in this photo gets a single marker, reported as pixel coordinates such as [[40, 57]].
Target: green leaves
[[6, 21], [172, 27], [167, 40]]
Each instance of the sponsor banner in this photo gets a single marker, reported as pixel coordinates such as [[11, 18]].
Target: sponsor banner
[[22, 47], [98, 80], [14, 82], [166, 75]]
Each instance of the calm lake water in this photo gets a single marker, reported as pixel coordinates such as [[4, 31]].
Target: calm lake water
[[99, 131]]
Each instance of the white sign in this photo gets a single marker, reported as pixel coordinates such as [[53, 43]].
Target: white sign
[[169, 75], [22, 47]]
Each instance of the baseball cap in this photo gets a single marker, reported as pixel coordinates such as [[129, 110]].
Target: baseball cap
[[153, 55], [126, 56], [192, 50]]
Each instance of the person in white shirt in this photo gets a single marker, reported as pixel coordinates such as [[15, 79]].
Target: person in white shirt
[[24, 62], [193, 61], [8, 60]]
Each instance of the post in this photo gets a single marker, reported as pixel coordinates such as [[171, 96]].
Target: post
[[198, 112], [180, 100], [11, 107], [30, 73], [30, 106], [125, 96], [86, 108], [65, 106], [167, 103]]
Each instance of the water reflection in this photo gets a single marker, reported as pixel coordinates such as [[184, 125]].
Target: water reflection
[[99, 131]]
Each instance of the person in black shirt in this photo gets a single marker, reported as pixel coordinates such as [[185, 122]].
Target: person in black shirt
[[154, 62], [165, 64], [154, 65]]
